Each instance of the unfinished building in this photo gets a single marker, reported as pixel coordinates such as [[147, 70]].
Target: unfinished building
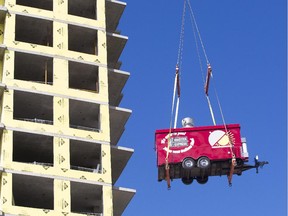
[[61, 88]]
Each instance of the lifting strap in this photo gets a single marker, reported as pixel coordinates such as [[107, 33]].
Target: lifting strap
[[206, 88], [208, 76], [177, 81], [176, 89], [197, 36], [233, 164], [233, 158]]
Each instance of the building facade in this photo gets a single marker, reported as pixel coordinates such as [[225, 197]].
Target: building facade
[[61, 86]]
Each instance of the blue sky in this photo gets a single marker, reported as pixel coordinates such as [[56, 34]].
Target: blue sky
[[246, 44]]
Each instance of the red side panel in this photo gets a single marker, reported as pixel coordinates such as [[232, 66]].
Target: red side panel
[[210, 141]]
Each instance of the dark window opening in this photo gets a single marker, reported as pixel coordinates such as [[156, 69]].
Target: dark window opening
[[86, 199], [84, 115], [34, 68], [85, 156], [31, 191], [86, 9], [83, 76], [33, 107], [33, 30], [42, 4], [81, 39], [32, 148]]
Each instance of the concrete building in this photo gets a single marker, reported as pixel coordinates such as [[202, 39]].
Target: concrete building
[[61, 86]]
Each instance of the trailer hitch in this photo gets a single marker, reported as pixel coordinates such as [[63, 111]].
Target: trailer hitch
[[259, 163]]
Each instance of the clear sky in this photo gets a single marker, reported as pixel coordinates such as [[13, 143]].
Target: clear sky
[[246, 44]]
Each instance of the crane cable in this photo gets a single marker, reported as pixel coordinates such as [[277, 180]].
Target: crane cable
[[206, 89], [209, 68], [176, 89], [179, 64]]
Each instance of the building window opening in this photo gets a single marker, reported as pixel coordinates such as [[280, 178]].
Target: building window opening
[[41, 4], [33, 107], [33, 68], [85, 156], [84, 115], [83, 77], [81, 39], [31, 191], [32, 148], [86, 9], [86, 199], [33, 30]]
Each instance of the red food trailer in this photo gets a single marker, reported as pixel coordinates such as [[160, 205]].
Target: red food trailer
[[190, 152], [199, 152]]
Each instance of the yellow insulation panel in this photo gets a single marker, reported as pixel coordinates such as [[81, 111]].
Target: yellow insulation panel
[[108, 200]]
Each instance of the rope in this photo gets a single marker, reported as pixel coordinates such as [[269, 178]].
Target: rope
[[179, 64], [211, 110], [173, 98], [181, 40], [233, 161], [176, 87], [206, 86], [176, 116], [209, 70], [197, 29]]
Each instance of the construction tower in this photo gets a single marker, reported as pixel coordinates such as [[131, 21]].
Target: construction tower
[[60, 86]]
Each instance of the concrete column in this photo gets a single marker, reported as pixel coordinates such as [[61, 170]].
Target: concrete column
[[62, 199], [7, 107], [104, 123], [60, 74], [61, 112], [106, 164], [60, 8], [107, 201], [8, 66], [6, 198], [61, 153], [7, 148]]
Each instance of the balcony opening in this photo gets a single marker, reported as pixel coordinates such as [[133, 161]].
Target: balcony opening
[[33, 30], [32, 148], [86, 199], [86, 9], [41, 4], [83, 77], [33, 107], [31, 191], [81, 39], [33, 68], [85, 156], [84, 115]]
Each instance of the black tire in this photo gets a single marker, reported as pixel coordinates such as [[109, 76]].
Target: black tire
[[203, 163], [202, 179], [188, 163], [187, 181]]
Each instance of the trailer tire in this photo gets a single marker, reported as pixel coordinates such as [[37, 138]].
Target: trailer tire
[[188, 163], [202, 179], [203, 162], [187, 181]]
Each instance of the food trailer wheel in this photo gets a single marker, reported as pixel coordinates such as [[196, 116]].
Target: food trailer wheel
[[187, 181], [203, 162], [202, 179], [188, 163]]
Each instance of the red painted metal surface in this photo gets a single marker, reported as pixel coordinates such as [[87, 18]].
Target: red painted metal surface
[[195, 142]]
